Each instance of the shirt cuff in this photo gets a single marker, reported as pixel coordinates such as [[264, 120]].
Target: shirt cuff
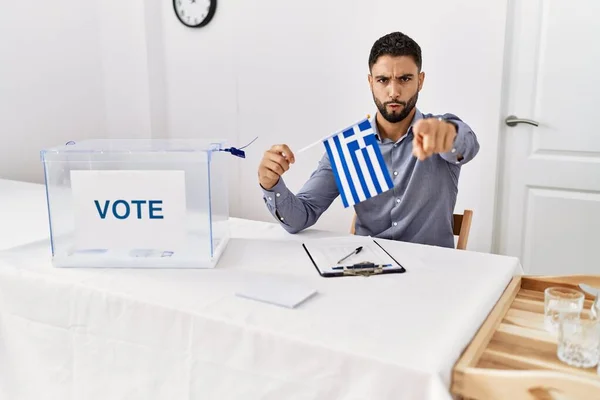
[[276, 195], [456, 154]]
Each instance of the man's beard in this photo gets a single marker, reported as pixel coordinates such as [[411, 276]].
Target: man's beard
[[393, 117]]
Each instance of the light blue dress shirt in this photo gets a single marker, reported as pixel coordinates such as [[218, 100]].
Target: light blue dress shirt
[[417, 209]]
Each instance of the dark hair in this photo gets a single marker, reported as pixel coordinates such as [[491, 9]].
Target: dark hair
[[395, 44]]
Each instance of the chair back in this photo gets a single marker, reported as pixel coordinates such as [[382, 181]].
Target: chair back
[[462, 227]]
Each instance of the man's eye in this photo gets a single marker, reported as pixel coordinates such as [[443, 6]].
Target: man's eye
[[382, 80], [405, 79]]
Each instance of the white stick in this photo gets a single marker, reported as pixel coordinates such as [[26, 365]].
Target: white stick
[[314, 144], [320, 141]]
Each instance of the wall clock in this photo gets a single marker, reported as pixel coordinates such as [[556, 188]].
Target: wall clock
[[195, 13]]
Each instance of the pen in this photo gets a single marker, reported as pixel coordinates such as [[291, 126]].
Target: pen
[[356, 251]]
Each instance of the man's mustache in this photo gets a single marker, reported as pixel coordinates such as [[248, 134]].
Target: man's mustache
[[403, 103]]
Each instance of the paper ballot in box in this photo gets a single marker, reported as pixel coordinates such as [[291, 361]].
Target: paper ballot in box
[[137, 203]]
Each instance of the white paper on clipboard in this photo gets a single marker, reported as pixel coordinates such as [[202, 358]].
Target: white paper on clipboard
[[326, 253]]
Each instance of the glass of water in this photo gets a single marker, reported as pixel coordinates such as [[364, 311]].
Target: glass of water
[[561, 303], [579, 342]]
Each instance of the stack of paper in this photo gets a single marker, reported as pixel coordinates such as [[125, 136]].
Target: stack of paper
[[280, 292]]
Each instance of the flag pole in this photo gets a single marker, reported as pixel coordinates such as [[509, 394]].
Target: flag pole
[[319, 141], [302, 150]]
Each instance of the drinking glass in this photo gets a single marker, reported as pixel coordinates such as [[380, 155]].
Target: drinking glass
[[595, 310], [579, 342], [561, 303]]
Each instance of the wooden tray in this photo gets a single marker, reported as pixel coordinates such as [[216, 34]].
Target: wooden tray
[[513, 357]]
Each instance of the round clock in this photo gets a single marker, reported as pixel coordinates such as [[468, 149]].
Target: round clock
[[195, 13]]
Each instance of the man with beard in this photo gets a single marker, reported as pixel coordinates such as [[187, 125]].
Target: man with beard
[[423, 152]]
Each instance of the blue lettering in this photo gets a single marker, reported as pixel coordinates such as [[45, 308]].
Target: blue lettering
[[127, 209], [153, 209], [139, 203], [103, 212]]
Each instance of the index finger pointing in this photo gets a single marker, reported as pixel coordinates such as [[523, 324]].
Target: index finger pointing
[[426, 130], [418, 126]]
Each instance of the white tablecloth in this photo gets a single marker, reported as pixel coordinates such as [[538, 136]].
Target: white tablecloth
[[183, 334], [23, 215]]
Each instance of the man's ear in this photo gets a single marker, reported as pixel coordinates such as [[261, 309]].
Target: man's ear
[[421, 80], [370, 79]]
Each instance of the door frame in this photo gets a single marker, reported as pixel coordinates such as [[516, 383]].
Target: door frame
[[510, 70]]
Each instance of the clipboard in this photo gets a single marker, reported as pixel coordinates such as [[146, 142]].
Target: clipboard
[[378, 264]]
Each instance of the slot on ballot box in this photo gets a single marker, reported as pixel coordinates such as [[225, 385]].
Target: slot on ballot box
[[149, 203]]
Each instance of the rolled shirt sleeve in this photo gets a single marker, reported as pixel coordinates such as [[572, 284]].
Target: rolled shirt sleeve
[[466, 145], [302, 210]]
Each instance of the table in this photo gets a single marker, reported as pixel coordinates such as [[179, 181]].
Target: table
[[183, 334], [23, 215]]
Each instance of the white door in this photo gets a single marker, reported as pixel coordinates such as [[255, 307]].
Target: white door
[[549, 211]]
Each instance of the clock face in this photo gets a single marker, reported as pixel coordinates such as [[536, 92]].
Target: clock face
[[195, 13]]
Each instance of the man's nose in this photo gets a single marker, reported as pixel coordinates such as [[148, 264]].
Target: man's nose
[[394, 90]]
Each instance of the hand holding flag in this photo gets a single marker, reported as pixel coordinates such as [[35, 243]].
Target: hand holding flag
[[275, 162], [356, 162]]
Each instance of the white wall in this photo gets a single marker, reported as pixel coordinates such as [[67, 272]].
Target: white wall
[[71, 70], [294, 71], [51, 87], [123, 51]]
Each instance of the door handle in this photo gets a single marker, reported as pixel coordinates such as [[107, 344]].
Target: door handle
[[512, 120]]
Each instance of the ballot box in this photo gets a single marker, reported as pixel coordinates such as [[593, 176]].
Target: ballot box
[[137, 203]]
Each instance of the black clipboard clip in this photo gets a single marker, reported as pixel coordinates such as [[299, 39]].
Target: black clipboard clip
[[363, 269]]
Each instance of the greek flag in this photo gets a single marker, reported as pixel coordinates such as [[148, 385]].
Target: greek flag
[[357, 163]]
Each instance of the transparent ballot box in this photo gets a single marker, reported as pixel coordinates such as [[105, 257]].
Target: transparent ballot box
[[137, 203]]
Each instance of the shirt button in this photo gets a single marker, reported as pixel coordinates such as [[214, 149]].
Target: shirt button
[[395, 224], [278, 194], [397, 200], [270, 198], [454, 150], [395, 173]]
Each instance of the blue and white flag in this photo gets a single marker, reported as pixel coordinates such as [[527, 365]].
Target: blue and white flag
[[357, 163]]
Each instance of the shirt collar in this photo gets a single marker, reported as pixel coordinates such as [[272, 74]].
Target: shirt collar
[[418, 115]]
